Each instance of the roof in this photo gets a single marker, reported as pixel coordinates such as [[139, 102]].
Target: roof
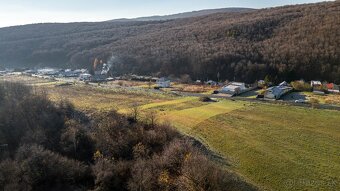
[[231, 87], [315, 82], [237, 83], [85, 75], [163, 79], [279, 88], [284, 83]]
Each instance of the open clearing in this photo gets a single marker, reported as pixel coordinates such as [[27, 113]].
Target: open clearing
[[276, 147], [279, 147]]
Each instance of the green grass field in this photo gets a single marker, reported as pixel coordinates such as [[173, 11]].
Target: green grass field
[[278, 147], [275, 147]]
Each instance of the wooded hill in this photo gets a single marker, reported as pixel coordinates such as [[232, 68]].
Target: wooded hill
[[285, 43], [187, 14]]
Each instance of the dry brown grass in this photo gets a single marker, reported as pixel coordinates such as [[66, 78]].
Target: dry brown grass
[[198, 88], [127, 83], [333, 99]]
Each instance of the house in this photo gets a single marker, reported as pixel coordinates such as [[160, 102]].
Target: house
[[99, 78], [69, 73], [284, 83], [81, 71], [29, 72], [330, 86], [316, 84], [261, 83], [211, 82], [276, 92], [333, 88], [49, 71], [85, 77], [317, 87], [234, 88], [163, 83]]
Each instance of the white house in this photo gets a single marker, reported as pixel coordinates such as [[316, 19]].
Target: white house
[[317, 87], [315, 84], [85, 77], [234, 88], [277, 91], [163, 83], [3, 73], [211, 83], [48, 71]]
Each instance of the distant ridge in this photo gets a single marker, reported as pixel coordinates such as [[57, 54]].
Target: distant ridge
[[186, 14], [282, 43]]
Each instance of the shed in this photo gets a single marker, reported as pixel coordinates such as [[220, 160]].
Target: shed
[[163, 83], [234, 88]]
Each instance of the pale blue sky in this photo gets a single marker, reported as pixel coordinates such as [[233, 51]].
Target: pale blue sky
[[17, 12]]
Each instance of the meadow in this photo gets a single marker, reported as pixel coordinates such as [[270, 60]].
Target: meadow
[[276, 147]]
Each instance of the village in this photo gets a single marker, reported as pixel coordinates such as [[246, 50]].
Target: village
[[298, 92]]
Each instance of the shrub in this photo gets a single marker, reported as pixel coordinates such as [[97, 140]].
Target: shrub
[[301, 86], [314, 102], [104, 173], [205, 99], [9, 176], [77, 143], [29, 117], [119, 155], [41, 169]]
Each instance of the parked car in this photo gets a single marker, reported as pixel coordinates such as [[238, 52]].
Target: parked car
[[300, 101]]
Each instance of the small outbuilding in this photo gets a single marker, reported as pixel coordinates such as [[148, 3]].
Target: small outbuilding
[[316, 84], [163, 83], [211, 82], [333, 88], [85, 77], [234, 88]]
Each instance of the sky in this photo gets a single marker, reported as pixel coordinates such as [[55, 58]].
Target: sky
[[19, 12]]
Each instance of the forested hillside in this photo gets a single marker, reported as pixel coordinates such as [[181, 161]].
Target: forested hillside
[[187, 14], [290, 42]]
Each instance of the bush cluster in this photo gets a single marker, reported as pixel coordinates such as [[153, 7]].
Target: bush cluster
[[49, 147]]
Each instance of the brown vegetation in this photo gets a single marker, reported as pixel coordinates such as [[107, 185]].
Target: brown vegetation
[[53, 147], [288, 43]]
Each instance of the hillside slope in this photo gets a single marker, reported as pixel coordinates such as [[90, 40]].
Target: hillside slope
[[290, 42], [188, 14]]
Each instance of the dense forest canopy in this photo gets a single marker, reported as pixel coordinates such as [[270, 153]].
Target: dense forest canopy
[[285, 43], [187, 14]]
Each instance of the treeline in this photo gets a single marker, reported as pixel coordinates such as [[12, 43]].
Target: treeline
[[285, 43], [51, 146]]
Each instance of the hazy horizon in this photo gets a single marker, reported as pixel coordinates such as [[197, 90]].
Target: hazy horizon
[[20, 12]]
